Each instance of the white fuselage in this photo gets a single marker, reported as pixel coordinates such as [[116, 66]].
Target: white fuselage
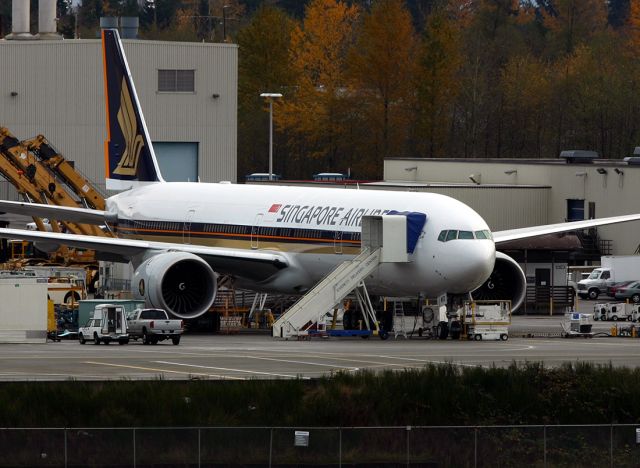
[[316, 228]]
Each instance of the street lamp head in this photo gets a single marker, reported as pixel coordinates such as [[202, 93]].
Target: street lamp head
[[271, 95]]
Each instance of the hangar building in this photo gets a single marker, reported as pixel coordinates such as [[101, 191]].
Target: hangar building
[[188, 92]]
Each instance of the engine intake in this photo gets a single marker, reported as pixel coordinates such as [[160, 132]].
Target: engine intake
[[507, 282], [180, 282]]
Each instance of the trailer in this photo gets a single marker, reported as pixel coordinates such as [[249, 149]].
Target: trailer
[[486, 320], [613, 311], [577, 325]]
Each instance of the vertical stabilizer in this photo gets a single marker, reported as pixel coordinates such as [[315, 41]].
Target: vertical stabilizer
[[129, 157]]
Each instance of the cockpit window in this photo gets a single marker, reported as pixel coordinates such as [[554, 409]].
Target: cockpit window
[[485, 234], [450, 234]]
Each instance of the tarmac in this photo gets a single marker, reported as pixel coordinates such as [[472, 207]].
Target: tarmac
[[259, 356]]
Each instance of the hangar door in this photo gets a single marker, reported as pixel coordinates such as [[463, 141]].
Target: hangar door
[[178, 160]]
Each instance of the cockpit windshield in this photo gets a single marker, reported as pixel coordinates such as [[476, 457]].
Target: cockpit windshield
[[452, 234]]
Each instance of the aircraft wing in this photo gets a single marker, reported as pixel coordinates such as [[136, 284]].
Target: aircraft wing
[[522, 233], [61, 213], [248, 264]]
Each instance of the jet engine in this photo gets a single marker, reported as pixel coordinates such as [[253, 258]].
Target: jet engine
[[180, 282], [507, 282]]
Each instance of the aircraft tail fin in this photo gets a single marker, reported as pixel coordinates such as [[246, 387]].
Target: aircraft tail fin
[[129, 157]]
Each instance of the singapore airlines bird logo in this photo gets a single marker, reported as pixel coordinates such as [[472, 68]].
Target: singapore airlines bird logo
[[134, 143]]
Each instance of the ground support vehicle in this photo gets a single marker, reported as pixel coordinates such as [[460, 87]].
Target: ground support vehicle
[[614, 269], [577, 325], [108, 324], [486, 320], [613, 311], [153, 325]]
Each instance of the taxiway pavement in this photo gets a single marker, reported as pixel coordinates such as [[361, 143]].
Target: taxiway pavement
[[241, 357]]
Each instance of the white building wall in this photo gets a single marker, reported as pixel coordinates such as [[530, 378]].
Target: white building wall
[[613, 194], [60, 93]]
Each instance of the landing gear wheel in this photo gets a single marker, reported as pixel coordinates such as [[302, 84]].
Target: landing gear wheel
[[82, 339], [383, 335]]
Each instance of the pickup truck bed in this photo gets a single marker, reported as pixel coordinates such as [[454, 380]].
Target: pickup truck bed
[[153, 325]]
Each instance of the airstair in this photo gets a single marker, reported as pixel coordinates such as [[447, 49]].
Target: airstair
[[384, 239]]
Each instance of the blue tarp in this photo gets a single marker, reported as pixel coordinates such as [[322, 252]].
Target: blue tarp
[[415, 223]]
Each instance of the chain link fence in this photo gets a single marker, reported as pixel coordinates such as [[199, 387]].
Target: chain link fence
[[444, 446]]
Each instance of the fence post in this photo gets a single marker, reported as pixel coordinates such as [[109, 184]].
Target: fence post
[[408, 446], [270, 445], [339, 447], [66, 461], [544, 441], [611, 446], [475, 446], [134, 447]]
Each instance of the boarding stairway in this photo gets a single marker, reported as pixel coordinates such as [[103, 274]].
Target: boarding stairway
[[389, 238], [304, 314]]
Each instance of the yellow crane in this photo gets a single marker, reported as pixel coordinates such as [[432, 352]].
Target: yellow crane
[[33, 176], [57, 163]]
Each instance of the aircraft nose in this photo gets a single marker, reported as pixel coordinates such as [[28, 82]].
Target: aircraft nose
[[475, 262]]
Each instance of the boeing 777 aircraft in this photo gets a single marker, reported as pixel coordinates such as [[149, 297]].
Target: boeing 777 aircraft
[[181, 236]]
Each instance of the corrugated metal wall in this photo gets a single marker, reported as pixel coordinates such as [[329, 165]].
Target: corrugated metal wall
[[61, 95], [501, 207]]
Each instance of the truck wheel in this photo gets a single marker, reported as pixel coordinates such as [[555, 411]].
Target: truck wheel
[[614, 318], [176, 340], [153, 340], [71, 298], [82, 339], [504, 337], [96, 340], [145, 337], [477, 337], [123, 341], [635, 298], [593, 294]]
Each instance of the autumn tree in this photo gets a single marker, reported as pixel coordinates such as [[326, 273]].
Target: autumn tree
[[440, 60], [574, 22], [381, 69], [526, 85], [314, 111], [263, 67]]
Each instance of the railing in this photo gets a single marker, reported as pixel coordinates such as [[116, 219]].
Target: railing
[[545, 299], [418, 446]]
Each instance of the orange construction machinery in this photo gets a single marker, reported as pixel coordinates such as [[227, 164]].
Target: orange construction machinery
[[41, 175]]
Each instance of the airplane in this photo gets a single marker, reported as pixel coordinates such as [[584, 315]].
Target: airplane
[[181, 236]]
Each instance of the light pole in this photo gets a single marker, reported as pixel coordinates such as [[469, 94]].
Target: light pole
[[224, 22], [270, 97]]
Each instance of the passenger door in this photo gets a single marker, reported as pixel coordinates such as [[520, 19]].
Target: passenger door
[[186, 227], [255, 231]]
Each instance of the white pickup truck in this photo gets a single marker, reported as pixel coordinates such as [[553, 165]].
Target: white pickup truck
[[153, 325], [108, 324]]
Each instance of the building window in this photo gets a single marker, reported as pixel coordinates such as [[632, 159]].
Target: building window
[[575, 209], [176, 81]]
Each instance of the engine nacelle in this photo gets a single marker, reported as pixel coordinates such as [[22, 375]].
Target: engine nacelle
[[507, 282], [180, 282]]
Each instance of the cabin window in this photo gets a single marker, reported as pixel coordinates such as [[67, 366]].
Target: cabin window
[[465, 235], [443, 235], [451, 235]]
